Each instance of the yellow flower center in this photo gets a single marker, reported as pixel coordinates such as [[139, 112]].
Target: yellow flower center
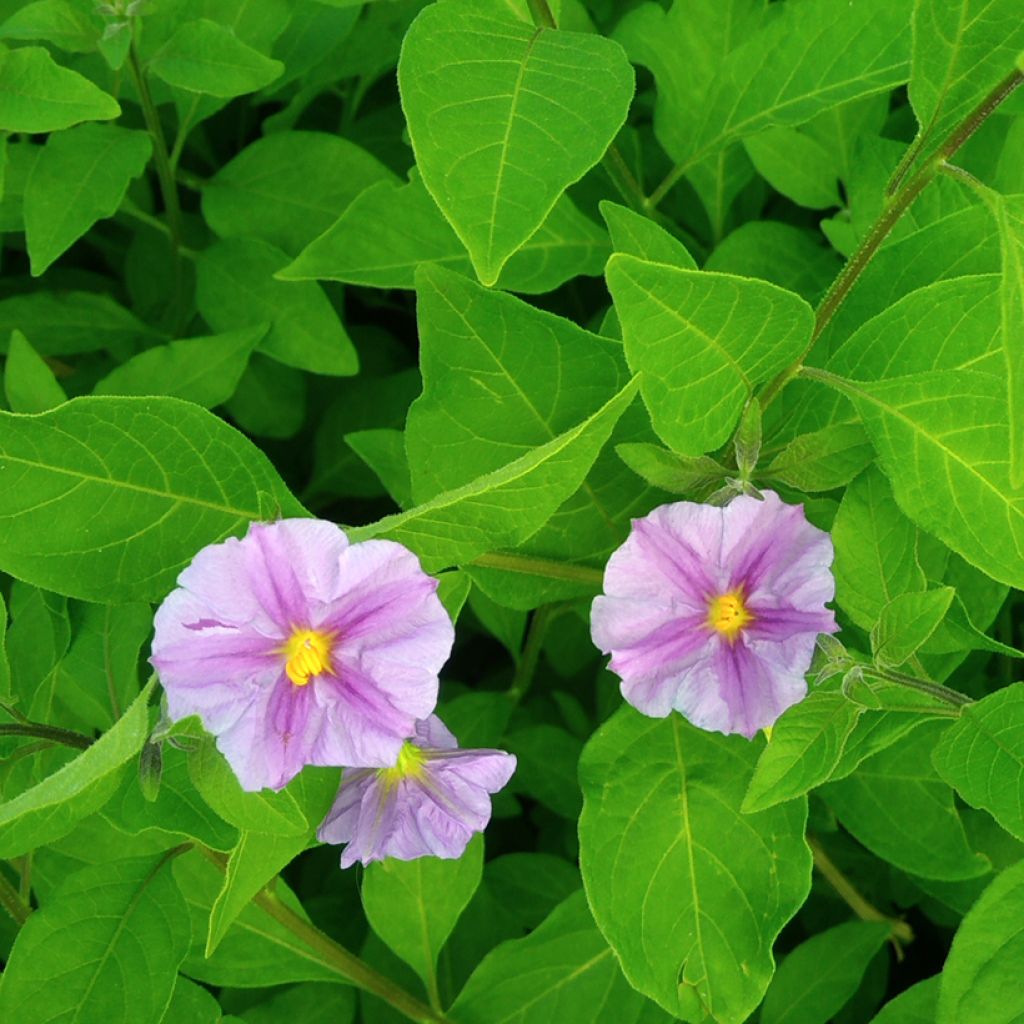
[[307, 653], [410, 762], [728, 615]]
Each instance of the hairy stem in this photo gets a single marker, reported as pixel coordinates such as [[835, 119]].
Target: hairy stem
[[12, 902], [541, 14], [67, 737], [900, 931], [546, 567], [943, 693]]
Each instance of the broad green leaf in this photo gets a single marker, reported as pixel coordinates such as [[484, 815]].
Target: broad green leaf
[[414, 905], [503, 117], [38, 95], [383, 452], [915, 1005], [289, 187], [191, 1004], [962, 50], [236, 287], [310, 1002], [639, 236], [876, 550], [312, 44], [701, 342], [690, 892], [29, 383], [66, 323], [818, 977], [950, 475], [269, 812], [55, 21], [80, 177], [1009, 212], [677, 474], [504, 507], [257, 951], [822, 460], [906, 623], [51, 808], [37, 641], [531, 885], [205, 371], [389, 230], [779, 253], [205, 57], [563, 971], [148, 482], [899, 785], [270, 400], [796, 165], [806, 745], [980, 980], [18, 159], [982, 756], [105, 947], [253, 862]]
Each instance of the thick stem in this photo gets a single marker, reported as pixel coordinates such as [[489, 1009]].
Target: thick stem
[[624, 180], [67, 737], [546, 567], [900, 932], [943, 693], [527, 667], [12, 902], [541, 14]]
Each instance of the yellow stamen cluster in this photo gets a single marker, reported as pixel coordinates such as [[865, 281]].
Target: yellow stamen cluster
[[410, 763], [728, 615], [307, 654]]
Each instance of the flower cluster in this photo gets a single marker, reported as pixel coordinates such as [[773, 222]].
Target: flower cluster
[[295, 647], [714, 612]]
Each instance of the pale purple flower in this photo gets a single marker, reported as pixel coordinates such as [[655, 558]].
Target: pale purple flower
[[295, 647], [429, 804], [714, 612]]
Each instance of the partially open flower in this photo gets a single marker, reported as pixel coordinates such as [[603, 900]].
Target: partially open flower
[[714, 612], [295, 647], [429, 804]]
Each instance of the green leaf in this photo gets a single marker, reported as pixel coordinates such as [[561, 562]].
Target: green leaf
[[206, 57], [818, 977], [51, 808], [119, 526], [289, 187], [962, 50], [414, 905], [564, 971], [915, 1005], [205, 371], [980, 979], [689, 892], [383, 451], [805, 748], [80, 177], [236, 287], [906, 623], [796, 165], [640, 236], [503, 117], [701, 342], [67, 323], [257, 951], [982, 756], [822, 460], [677, 474], [29, 383], [5, 665], [504, 507], [106, 946], [950, 474], [546, 769], [899, 785], [191, 1004], [55, 21], [389, 230], [38, 95], [311, 1003]]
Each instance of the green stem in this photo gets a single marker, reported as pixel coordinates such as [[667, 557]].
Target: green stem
[[894, 208], [527, 667], [25, 881], [46, 732], [624, 180], [546, 567], [943, 693], [900, 931], [541, 14], [164, 171], [12, 902], [184, 126]]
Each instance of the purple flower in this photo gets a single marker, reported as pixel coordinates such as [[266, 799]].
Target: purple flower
[[295, 647], [715, 611], [428, 805]]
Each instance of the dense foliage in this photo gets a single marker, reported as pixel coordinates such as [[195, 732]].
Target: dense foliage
[[491, 278]]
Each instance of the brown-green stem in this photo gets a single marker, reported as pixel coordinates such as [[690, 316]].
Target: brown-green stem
[[546, 567], [66, 737]]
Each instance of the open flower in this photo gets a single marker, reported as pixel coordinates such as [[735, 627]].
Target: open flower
[[714, 611], [295, 647], [429, 804]]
